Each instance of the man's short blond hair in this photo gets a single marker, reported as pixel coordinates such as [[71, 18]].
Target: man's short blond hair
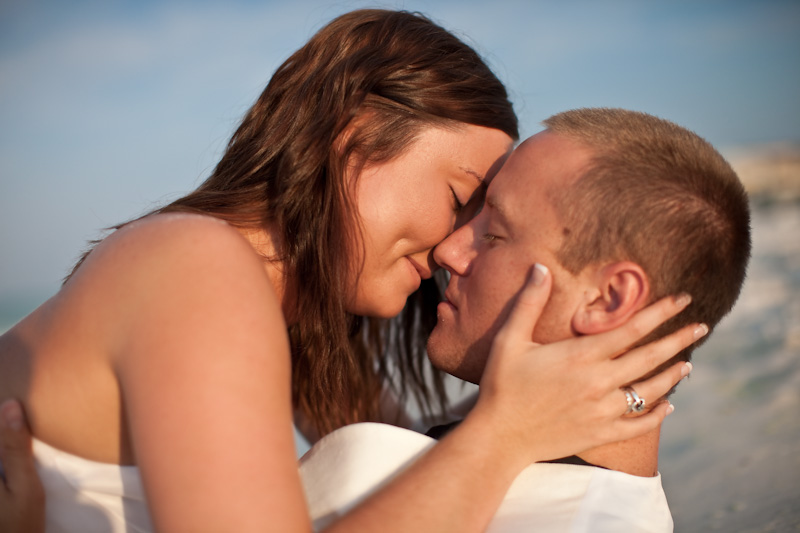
[[659, 195]]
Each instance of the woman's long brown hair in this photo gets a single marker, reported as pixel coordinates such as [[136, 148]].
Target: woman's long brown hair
[[394, 73]]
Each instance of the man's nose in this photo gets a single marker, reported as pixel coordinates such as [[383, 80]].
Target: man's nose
[[455, 253]]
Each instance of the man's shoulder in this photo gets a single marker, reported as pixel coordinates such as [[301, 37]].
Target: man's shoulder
[[346, 466], [574, 497]]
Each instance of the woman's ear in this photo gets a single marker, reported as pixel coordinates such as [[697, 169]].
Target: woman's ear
[[621, 289]]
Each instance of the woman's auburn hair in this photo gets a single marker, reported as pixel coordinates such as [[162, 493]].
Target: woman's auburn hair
[[284, 168]]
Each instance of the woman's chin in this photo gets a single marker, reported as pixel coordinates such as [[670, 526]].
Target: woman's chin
[[388, 307], [389, 311]]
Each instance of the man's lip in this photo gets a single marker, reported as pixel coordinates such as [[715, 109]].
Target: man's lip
[[448, 297], [424, 273]]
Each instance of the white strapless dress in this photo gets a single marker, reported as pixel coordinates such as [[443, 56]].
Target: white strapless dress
[[87, 497]]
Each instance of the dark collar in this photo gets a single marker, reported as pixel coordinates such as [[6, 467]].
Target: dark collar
[[437, 432]]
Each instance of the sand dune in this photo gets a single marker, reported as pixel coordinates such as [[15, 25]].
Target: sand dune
[[770, 171]]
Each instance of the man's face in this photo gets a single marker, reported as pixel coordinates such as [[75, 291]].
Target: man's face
[[490, 258]]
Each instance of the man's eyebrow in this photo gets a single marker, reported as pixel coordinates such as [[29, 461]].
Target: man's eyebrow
[[499, 211]]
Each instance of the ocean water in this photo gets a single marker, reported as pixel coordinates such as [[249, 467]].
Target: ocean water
[[17, 304], [730, 454]]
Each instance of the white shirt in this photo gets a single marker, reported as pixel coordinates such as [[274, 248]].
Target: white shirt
[[349, 464]]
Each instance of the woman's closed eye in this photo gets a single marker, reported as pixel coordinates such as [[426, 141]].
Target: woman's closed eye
[[472, 207], [458, 206]]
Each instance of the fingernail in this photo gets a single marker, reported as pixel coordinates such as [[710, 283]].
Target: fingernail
[[687, 368], [700, 331], [670, 409], [683, 299], [12, 415], [539, 273]]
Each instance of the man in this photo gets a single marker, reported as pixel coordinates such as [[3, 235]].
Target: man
[[623, 208]]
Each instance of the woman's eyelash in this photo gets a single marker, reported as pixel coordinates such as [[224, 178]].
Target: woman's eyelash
[[458, 205], [489, 237]]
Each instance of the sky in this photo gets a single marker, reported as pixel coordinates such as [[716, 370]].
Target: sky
[[108, 109]]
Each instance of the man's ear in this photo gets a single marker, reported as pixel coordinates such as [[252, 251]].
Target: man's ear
[[621, 289]]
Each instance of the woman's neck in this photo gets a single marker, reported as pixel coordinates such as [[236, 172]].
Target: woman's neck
[[266, 243]]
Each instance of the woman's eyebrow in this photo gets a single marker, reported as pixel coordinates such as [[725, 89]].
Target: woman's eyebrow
[[474, 174]]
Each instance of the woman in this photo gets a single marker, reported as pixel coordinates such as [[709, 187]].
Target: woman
[[186, 342]]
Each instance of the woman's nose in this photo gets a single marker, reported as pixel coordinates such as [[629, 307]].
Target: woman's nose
[[455, 253]]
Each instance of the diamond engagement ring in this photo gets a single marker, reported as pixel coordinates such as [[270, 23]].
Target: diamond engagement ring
[[635, 403]]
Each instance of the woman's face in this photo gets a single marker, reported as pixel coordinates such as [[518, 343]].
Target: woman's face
[[411, 203]]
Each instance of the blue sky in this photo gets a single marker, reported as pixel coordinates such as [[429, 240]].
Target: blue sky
[[110, 108]]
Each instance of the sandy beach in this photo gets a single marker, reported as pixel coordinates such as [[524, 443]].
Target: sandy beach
[[730, 454]]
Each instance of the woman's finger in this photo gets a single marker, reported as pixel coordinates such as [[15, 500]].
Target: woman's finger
[[641, 361], [628, 428], [641, 324], [653, 389], [518, 327]]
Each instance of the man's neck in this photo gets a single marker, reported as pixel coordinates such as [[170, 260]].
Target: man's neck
[[638, 456]]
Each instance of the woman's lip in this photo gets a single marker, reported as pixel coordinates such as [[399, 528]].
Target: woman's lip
[[424, 273], [412, 268]]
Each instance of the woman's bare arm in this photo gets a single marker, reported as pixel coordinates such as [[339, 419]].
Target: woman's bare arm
[[202, 359]]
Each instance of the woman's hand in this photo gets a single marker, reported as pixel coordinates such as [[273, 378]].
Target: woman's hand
[[554, 400], [21, 494]]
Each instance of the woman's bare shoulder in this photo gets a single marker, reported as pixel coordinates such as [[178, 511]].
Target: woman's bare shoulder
[[177, 231], [167, 261], [174, 242]]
